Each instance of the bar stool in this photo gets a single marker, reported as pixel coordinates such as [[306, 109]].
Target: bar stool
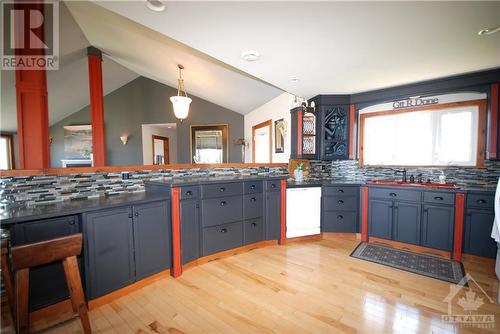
[[24, 257]]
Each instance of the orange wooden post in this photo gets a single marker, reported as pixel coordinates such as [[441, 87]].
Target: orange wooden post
[[96, 106], [494, 110], [282, 239], [459, 226], [364, 214], [176, 270]]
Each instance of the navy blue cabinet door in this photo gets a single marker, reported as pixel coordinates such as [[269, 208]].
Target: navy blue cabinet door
[[190, 231], [437, 226], [407, 222], [152, 229], [380, 219], [109, 239], [335, 132], [273, 215], [477, 236], [47, 282]]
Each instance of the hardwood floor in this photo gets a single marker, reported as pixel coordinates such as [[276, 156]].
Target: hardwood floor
[[303, 287]]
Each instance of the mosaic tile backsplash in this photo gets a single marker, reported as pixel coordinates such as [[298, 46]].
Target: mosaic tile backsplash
[[34, 190]]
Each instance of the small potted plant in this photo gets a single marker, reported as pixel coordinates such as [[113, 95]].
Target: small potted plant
[[299, 172]]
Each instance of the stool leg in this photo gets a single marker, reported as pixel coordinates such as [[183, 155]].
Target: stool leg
[[75, 289], [22, 294], [7, 281]]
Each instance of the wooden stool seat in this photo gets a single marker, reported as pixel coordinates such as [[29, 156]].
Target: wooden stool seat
[[24, 257]]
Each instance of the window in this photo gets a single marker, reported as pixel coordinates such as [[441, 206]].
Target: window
[[6, 152], [441, 135]]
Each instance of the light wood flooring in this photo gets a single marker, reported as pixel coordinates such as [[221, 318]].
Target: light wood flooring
[[304, 287]]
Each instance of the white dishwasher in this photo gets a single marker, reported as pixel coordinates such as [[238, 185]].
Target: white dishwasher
[[303, 211]]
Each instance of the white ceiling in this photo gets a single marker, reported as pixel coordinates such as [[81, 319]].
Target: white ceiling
[[155, 56], [68, 88], [332, 47]]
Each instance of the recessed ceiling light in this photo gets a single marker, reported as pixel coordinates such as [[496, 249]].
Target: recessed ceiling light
[[156, 5], [294, 80], [250, 55], [489, 31]]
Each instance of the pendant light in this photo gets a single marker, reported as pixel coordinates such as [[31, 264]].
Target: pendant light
[[181, 101]]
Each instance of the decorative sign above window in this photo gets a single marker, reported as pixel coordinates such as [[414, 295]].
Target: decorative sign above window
[[415, 102]]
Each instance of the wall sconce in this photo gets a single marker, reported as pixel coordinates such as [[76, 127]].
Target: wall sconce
[[124, 139]]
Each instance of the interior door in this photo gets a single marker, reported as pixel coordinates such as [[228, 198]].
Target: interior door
[[161, 155], [262, 142]]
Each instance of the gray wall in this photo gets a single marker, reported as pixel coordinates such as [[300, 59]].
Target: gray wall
[[144, 101]]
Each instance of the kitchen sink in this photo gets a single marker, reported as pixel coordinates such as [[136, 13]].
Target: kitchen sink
[[420, 185]]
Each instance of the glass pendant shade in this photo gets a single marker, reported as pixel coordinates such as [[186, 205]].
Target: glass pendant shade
[[181, 106]]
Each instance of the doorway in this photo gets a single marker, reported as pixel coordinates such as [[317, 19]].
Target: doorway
[[161, 154], [262, 142]]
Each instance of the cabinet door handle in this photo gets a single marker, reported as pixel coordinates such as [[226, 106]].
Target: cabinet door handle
[[223, 230], [393, 194], [189, 192], [340, 191], [254, 224], [136, 214], [252, 186], [223, 203], [222, 189], [340, 217], [438, 198], [130, 215], [273, 185], [340, 201], [253, 199], [73, 222], [481, 201]]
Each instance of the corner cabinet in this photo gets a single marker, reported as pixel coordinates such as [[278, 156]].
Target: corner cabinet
[[321, 132]]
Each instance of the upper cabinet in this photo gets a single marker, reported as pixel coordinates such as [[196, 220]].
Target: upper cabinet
[[321, 131]]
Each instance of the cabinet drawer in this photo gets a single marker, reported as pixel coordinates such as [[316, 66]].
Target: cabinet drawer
[[335, 203], [253, 231], [340, 221], [223, 237], [252, 206], [190, 192], [338, 191], [480, 201], [252, 187], [395, 194], [221, 210], [221, 190], [274, 185], [439, 197]]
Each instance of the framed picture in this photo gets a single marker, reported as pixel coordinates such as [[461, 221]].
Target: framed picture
[[279, 135], [78, 140]]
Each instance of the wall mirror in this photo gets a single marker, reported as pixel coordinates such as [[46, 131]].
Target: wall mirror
[[209, 144]]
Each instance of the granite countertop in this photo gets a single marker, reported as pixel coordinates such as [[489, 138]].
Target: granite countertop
[[191, 181], [64, 208]]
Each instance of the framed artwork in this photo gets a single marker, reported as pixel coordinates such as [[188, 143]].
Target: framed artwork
[[279, 135], [78, 140]]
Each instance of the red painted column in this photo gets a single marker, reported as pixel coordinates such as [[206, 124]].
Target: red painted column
[[282, 240], [494, 110], [364, 214], [31, 101], [459, 226], [352, 116], [96, 106], [176, 270]]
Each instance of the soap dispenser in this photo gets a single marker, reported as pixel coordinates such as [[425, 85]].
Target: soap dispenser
[[442, 178]]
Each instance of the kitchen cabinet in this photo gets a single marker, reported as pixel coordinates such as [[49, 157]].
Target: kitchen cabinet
[[47, 282], [190, 230], [125, 244], [437, 226], [380, 218], [479, 217], [407, 222], [304, 133], [334, 132], [273, 215], [340, 209]]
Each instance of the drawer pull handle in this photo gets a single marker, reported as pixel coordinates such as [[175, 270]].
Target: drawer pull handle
[[393, 194], [136, 214], [438, 198], [223, 230], [254, 224], [341, 201], [222, 189], [223, 203], [253, 199], [252, 186], [481, 201], [189, 193], [273, 185], [340, 217], [340, 191], [130, 215]]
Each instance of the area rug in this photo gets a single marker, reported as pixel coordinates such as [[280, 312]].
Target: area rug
[[422, 264]]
